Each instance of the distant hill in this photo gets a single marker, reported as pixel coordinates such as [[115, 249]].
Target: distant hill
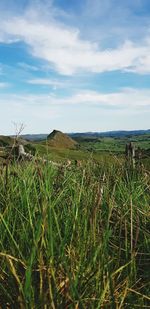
[[109, 134], [34, 137], [38, 137], [58, 139]]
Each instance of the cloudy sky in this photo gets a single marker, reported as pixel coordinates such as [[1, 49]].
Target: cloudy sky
[[74, 65]]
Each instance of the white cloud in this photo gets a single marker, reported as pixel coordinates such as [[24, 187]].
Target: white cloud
[[127, 98], [65, 51], [3, 85], [142, 65], [83, 111], [48, 82]]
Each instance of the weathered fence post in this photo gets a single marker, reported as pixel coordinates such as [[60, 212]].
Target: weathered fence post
[[130, 154]]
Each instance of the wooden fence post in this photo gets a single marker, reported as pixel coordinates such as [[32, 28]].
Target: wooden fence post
[[130, 154]]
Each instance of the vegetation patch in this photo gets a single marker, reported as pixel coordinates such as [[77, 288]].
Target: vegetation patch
[[74, 237]]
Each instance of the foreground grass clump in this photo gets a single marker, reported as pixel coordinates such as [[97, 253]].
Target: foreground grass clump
[[74, 238]]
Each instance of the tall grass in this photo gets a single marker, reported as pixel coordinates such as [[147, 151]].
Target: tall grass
[[74, 238]]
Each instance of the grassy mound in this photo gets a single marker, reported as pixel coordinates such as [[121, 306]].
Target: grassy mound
[[58, 139]]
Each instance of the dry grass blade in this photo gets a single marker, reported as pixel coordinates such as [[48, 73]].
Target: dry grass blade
[[138, 293], [21, 300], [10, 257]]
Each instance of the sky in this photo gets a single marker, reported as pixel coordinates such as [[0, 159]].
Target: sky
[[74, 65]]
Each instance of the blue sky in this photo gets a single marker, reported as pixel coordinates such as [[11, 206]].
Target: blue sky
[[74, 65]]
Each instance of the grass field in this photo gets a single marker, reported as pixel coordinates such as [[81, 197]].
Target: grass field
[[75, 237], [114, 144]]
